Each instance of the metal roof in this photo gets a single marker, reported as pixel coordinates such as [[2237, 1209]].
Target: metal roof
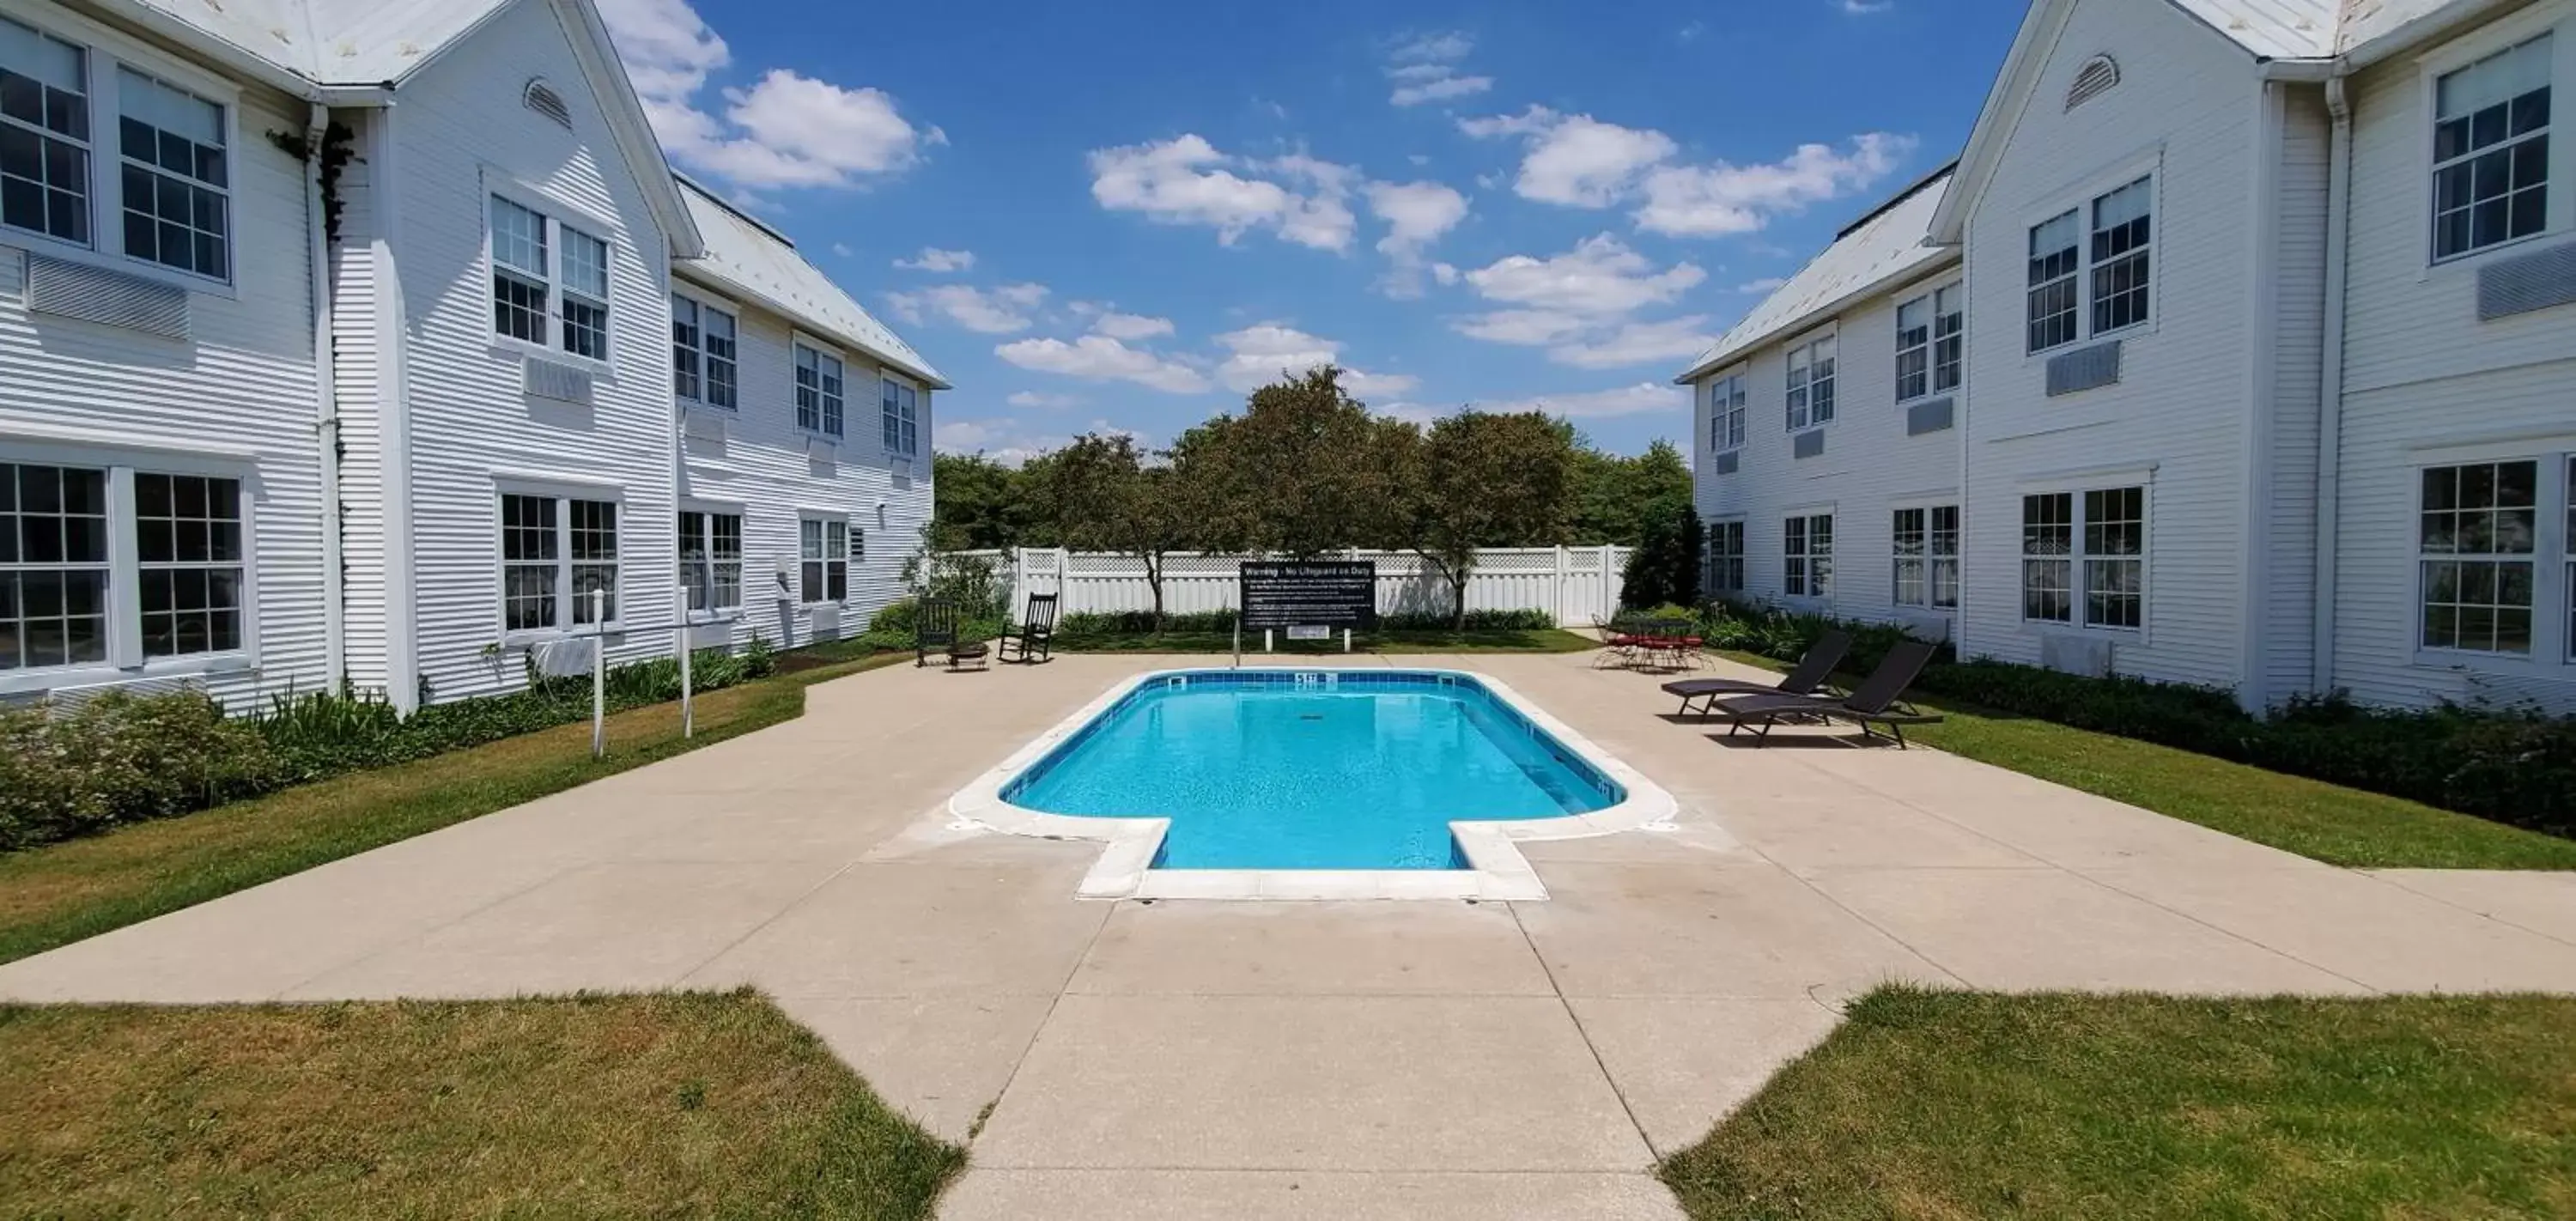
[[1878, 251], [2273, 29], [334, 42], [2312, 29], [760, 266]]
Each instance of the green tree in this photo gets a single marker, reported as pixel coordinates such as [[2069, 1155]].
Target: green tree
[[1104, 495], [1665, 568], [1303, 471], [1479, 480], [978, 504], [1616, 497]]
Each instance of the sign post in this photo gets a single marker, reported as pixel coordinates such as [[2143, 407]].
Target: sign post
[[1308, 598]]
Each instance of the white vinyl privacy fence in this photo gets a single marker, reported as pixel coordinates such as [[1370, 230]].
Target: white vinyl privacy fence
[[1576, 585]]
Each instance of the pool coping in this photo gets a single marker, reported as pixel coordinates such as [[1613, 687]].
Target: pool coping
[[1498, 870]]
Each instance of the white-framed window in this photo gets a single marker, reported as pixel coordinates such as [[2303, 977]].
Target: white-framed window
[[2478, 540], [902, 417], [818, 392], [1928, 333], [549, 281], [44, 134], [1807, 556], [1811, 384], [119, 565], [705, 358], [1927, 557], [2491, 127], [2090, 268], [175, 175], [556, 553], [1725, 557], [823, 545], [2084, 558], [711, 559], [1726, 399], [1949, 338], [163, 196]]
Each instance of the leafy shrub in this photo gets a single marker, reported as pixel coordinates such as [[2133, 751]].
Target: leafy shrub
[[2517, 768], [117, 759], [1477, 621]]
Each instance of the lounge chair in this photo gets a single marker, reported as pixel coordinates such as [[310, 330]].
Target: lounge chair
[[1879, 700], [936, 632], [1806, 678], [1034, 638]]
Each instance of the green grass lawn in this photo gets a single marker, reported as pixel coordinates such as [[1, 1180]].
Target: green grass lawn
[[1545, 640], [1965, 1105], [703, 1105], [61, 893], [2327, 822]]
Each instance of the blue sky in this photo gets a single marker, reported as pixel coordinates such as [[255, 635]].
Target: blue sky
[[1098, 217]]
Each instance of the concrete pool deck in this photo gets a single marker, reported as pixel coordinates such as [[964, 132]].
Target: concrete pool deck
[[1180, 1059]]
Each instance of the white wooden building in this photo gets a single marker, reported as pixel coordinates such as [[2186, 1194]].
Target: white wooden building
[[248, 446], [2268, 379]]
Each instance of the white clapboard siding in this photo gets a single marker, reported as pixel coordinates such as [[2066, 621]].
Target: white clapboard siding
[[462, 126]]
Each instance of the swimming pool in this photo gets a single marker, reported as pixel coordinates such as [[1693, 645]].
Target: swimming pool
[[1275, 783]]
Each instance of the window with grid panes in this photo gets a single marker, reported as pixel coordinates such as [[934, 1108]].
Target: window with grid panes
[[2478, 540]]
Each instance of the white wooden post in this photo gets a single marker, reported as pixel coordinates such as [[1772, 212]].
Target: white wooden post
[[688, 705], [1556, 588], [598, 673]]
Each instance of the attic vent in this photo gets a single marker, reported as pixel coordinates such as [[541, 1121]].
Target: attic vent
[[542, 98], [2097, 77]]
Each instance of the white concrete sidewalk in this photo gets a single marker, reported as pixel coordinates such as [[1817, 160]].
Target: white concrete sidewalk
[[1316, 1060]]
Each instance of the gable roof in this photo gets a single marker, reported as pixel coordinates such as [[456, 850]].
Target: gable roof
[[1872, 254], [356, 52], [2334, 36], [759, 265]]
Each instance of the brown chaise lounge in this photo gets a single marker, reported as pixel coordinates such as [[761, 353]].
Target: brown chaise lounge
[[1879, 700], [1805, 678]]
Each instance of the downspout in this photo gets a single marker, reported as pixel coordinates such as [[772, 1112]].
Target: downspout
[[326, 405], [2330, 382]]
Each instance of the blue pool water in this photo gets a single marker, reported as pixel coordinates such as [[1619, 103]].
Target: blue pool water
[[1266, 769]]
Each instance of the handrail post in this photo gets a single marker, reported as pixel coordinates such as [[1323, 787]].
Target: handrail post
[[688, 706], [598, 673]]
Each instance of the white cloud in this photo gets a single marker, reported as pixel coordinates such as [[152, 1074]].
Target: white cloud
[[1601, 275], [1575, 160], [1425, 69], [996, 311], [1100, 358], [1007, 442], [1426, 48], [1440, 90], [1044, 402], [1864, 8], [1719, 199], [786, 129], [1582, 162], [1638, 399], [843, 249], [1528, 328], [1579, 306], [933, 258], [1129, 326], [1186, 181], [1260, 354], [1639, 343], [1767, 284], [1416, 214]]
